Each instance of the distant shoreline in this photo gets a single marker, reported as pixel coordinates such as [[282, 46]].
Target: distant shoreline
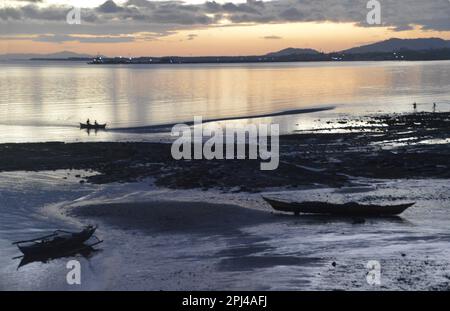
[[418, 49], [403, 55], [237, 62]]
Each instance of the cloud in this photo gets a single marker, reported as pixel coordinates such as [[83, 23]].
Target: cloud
[[109, 7], [192, 36], [272, 38], [75, 38], [164, 17], [32, 12], [83, 39]]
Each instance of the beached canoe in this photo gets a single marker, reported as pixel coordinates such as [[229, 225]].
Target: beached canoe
[[92, 126], [59, 241], [347, 209]]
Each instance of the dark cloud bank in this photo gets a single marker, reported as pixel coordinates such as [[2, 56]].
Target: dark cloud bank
[[160, 18]]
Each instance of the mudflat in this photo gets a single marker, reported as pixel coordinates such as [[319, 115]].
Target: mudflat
[[387, 146]]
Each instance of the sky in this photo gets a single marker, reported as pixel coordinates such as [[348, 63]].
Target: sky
[[198, 27]]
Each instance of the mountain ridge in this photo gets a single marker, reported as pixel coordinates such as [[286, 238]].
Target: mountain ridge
[[397, 45], [27, 56], [293, 51]]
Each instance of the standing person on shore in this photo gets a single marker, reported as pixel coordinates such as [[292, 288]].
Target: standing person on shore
[[434, 107], [415, 107]]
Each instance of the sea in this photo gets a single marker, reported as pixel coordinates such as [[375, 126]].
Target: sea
[[46, 100]]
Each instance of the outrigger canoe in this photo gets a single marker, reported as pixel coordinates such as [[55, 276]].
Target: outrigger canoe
[[347, 209], [59, 241], [92, 126]]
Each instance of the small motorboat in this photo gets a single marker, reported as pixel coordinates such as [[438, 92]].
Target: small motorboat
[[58, 242], [92, 126], [346, 209]]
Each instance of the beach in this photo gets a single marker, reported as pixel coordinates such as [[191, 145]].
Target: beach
[[220, 154], [203, 225]]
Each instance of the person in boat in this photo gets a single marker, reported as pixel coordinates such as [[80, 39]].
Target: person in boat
[[95, 123], [88, 122]]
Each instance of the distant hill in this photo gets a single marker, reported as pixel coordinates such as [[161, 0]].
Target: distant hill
[[395, 45], [58, 55], [292, 52]]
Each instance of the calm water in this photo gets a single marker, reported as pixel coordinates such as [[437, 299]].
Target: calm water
[[42, 101]]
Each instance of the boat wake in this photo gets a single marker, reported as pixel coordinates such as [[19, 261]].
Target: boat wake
[[163, 128]]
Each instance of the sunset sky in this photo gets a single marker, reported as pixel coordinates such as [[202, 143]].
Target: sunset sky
[[196, 27]]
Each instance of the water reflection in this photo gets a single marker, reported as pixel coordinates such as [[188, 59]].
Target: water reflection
[[58, 95], [86, 252]]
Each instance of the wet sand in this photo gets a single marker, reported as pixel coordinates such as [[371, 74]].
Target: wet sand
[[161, 239], [247, 246]]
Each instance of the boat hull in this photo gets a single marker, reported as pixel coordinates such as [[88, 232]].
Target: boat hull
[[93, 126], [347, 209], [57, 245]]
